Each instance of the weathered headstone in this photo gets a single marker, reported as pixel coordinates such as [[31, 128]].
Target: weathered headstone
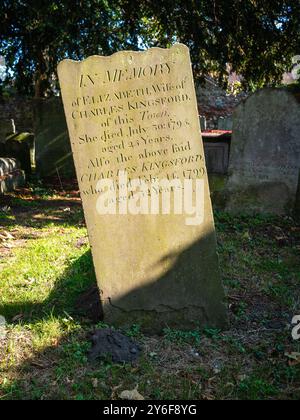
[[19, 146], [53, 152], [6, 127], [265, 153], [134, 128]]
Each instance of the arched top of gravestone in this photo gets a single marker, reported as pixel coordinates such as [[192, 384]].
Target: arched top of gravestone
[[293, 94], [120, 54]]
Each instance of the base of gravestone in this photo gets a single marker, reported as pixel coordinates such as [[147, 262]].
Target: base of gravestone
[[154, 322], [183, 297], [89, 304], [264, 198]]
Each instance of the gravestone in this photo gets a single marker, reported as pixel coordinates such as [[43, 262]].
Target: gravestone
[[18, 146], [203, 123], [135, 134], [6, 127], [225, 123], [53, 152], [265, 153]]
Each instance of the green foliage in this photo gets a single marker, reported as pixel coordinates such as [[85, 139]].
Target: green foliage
[[44, 354], [258, 38], [134, 331], [255, 388], [181, 337]]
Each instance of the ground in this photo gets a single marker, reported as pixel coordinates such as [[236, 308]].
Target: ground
[[45, 266]]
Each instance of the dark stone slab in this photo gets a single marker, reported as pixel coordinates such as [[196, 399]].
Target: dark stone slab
[[52, 144], [216, 149]]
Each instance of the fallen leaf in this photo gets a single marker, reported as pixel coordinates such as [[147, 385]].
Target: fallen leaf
[[9, 246], [131, 395], [17, 317], [294, 358], [246, 235], [30, 281], [95, 382]]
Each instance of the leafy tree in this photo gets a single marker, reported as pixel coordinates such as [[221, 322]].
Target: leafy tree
[[257, 37]]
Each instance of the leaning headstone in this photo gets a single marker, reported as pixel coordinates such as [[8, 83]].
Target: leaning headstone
[[265, 153], [135, 134]]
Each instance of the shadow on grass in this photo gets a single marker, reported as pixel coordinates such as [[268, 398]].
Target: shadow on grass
[[61, 370], [71, 295], [75, 295], [40, 212]]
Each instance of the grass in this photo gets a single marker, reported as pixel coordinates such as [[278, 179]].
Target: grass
[[45, 264]]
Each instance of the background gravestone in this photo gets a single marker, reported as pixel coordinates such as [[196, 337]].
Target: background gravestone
[[6, 127], [137, 111], [265, 153], [19, 146], [52, 145], [225, 123]]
